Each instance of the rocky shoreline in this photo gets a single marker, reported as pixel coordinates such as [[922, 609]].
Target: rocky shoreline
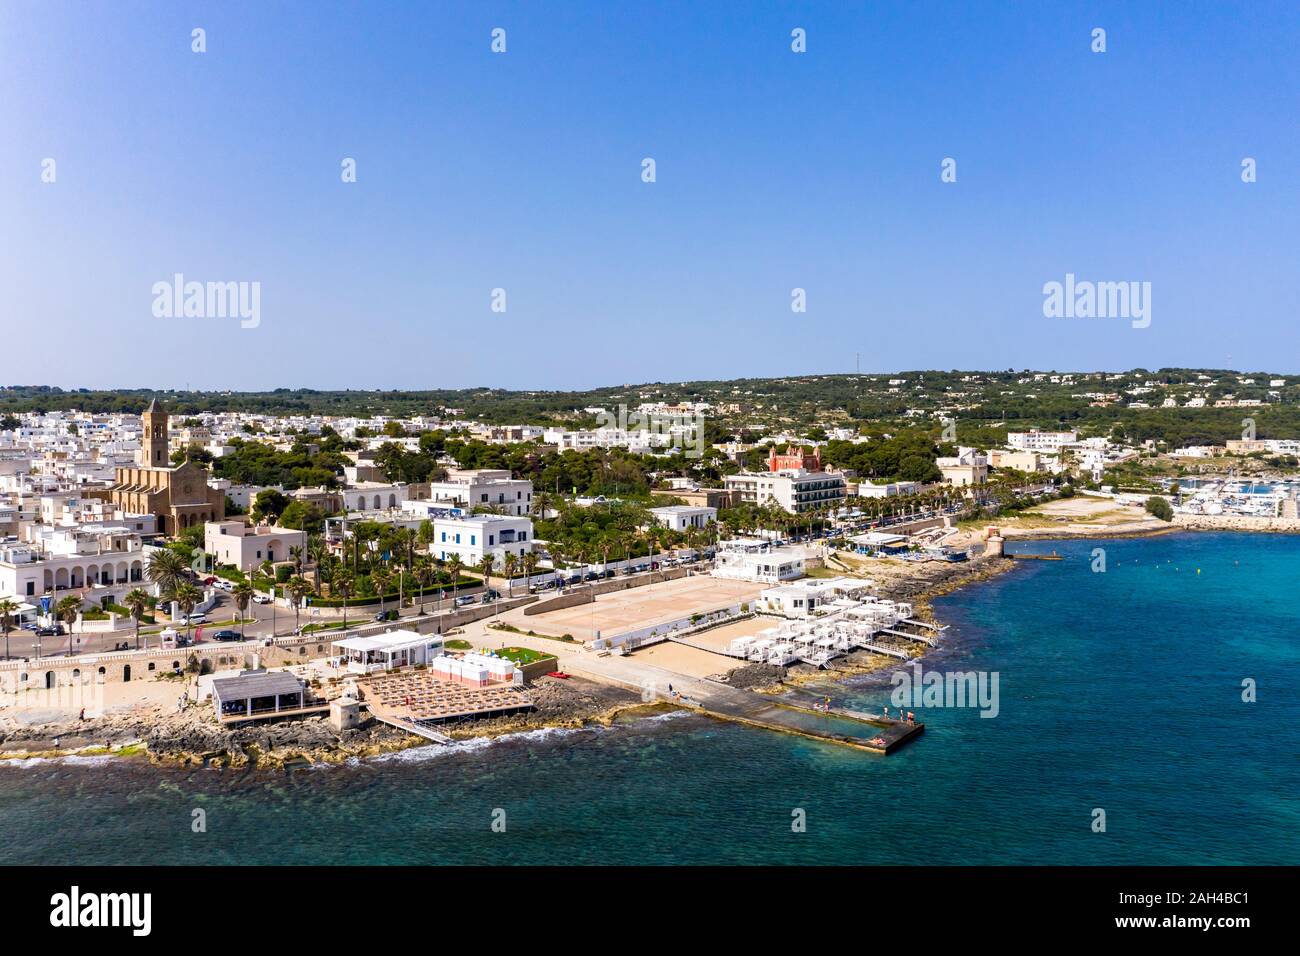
[[192, 738]]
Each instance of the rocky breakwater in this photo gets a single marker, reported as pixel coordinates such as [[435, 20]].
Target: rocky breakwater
[[1237, 523]]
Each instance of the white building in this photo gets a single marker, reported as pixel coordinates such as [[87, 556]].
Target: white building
[[1034, 440], [92, 565], [811, 597], [795, 491], [485, 488], [750, 560], [246, 546], [869, 489], [967, 467], [383, 652], [374, 496], [474, 536], [682, 517]]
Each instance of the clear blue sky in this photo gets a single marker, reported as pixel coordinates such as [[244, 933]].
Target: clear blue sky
[[522, 171]]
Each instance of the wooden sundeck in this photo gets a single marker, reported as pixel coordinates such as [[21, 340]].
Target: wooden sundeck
[[420, 696]]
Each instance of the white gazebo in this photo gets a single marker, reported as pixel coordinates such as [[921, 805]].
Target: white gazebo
[[383, 652]]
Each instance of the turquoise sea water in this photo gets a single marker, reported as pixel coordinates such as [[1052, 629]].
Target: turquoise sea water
[[1119, 690]]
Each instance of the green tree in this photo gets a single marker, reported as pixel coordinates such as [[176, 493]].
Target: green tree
[[454, 567], [136, 601], [381, 579], [1160, 508], [166, 569], [187, 598], [297, 588], [67, 611], [269, 505], [343, 584], [242, 593], [7, 609]]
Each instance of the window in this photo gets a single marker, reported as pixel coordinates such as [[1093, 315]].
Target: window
[[473, 539], [492, 539]]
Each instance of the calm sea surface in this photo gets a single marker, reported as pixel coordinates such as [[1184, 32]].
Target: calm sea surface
[[1118, 690]]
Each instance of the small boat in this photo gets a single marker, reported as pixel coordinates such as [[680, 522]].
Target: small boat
[[560, 674]]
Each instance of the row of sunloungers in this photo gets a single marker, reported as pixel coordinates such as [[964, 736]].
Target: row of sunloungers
[[424, 697]]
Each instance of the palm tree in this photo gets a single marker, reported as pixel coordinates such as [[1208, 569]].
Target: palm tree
[[509, 562], [243, 595], [343, 584], [423, 571], [380, 579], [166, 569], [7, 608], [295, 554], [319, 554], [135, 601], [529, 561], [187, 597], [67, 611], [485, 566], [454, 566], [298, 589]]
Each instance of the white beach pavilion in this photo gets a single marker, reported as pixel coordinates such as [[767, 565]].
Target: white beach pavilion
[[383, 652]]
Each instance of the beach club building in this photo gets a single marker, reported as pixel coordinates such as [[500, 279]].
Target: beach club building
[[753, 560], [385, 652], [258, 695]]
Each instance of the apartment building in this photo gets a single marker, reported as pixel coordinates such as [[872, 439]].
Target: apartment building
[[1034, 440], [795, 491]]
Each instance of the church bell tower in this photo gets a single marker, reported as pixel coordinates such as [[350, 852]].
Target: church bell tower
[[153, 440]]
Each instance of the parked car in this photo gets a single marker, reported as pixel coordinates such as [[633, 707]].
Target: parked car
[[55, 631], [261, 599], [464, 599], [386, 616], [197, 619], [225, 585], [227, 636]]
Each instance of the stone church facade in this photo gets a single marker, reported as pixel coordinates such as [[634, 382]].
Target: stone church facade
[[179, 497]]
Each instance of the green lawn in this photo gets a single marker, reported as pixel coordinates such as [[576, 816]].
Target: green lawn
[[522, 655]]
